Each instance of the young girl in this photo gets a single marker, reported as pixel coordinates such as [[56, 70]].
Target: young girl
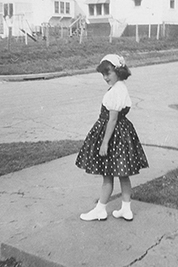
[[112, 147]]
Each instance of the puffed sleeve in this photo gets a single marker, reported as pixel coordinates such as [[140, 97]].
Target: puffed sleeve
[[117, 97]]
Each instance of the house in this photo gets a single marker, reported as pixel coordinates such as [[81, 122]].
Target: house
[[124, 15], [16, 16], [101, 16], [29, 15]]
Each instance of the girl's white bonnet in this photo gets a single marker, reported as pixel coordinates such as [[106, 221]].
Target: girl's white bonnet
[[116, 60]]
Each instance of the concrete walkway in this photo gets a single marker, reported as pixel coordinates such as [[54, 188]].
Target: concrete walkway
[[40, 206]]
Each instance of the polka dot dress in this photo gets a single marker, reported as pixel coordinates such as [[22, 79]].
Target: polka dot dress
[[125, 155]]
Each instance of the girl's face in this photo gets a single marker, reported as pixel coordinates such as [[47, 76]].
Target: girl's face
[[110, 77]]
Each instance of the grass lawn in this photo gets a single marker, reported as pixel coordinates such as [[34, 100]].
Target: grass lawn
[[17, 156], [162, 190], [11, 262], [69, 54]]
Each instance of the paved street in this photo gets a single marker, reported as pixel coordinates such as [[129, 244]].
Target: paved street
[[67, 107]]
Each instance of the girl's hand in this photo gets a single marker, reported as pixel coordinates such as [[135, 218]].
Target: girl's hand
[[103, 149]]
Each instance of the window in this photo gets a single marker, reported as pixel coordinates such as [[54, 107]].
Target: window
[[11, 10], [91, 10], [106, 9], [8, 10], [172, 3], [137, 2], [5, 10], [1, 19], [98, 9], [62, 7], [56, 7], [67, 8]]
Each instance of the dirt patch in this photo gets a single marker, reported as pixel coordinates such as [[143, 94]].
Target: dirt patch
[[11, 262], [174, 106]]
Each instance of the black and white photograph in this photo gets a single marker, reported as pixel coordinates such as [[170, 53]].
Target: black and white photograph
[[88, 133]]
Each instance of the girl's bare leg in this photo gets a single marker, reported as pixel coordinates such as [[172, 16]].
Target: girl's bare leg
[[106, 189], [125, 188]]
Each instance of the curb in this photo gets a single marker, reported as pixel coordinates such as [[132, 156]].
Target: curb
[[43, 76]]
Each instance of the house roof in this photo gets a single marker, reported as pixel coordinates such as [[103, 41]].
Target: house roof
[[97, 2]]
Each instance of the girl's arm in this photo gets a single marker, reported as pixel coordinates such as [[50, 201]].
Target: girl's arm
[[113, 115]]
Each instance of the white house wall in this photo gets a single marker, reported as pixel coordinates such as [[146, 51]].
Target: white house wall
[[35, 12], [120, 9], [170, 16], [150, 10], [29, 14], [43, 10], [22, 18], [80, 8]]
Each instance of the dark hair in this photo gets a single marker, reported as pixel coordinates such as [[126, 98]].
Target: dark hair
[[122, 72]]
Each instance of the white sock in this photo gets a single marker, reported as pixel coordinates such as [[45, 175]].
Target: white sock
[[100, 205], [124, 212], [126, 206]]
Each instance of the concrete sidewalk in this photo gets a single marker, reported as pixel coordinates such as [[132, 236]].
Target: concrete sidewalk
[[40, 206], [40, 225]]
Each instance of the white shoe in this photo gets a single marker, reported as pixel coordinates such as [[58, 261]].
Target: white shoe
[[125, 212], [94, 214], [126, 215]]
